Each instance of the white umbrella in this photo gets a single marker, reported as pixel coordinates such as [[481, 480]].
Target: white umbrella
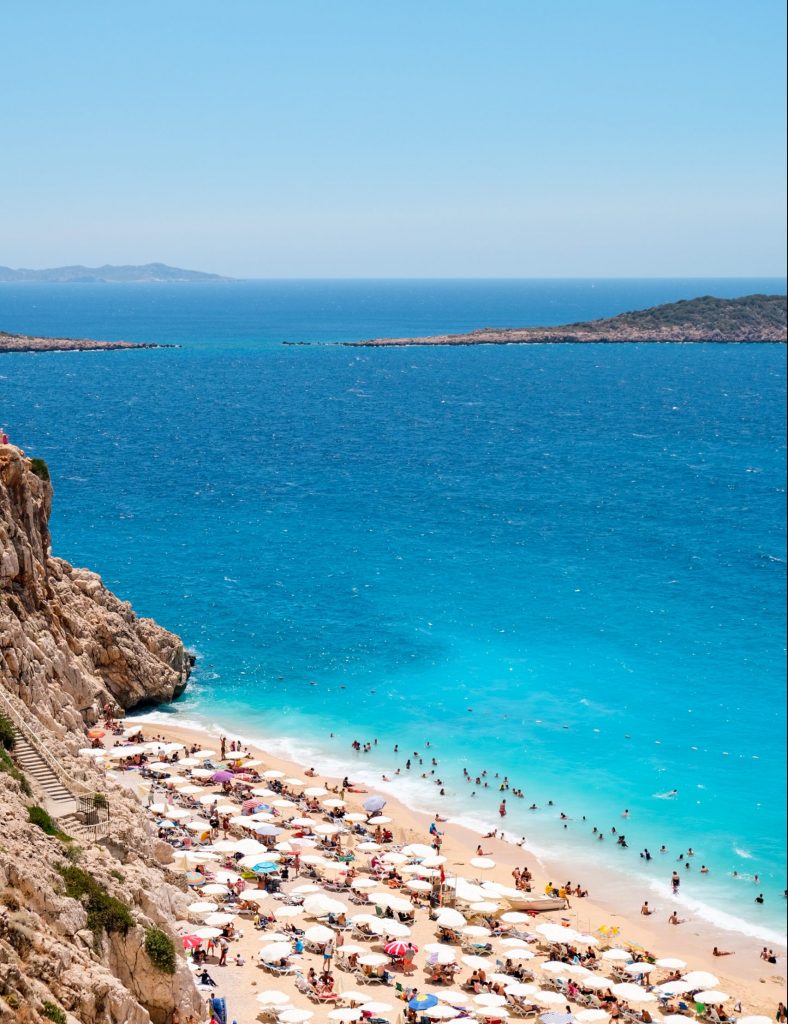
[[419, 885], [256, 895], [319, 905], [597, 982], [438, 953], [640, 968], [391, 900], [394, 858], [315, 791], [325, 830], [286, 911], [373, 960], [475, 931], [273, 773], [455, 998], [219, 920], [214, 889], [201, 907], [417, 850], [283, 804], [482, 863], [380, 819], [207, 933], [305, 889], [363, 883], [701, 979], [755, 1019], [547, 998], [489, 999], [519, 988], [376, 1007], [671, 963], [395, 929], [441, 1012], [273, 997], [514, 917], [632, 993], [275, 951], [198, 825], [352, 996], [711, 996], [295, 1016], [367, 847], [345, 1016], [225, 877], [354, 816], [593, 1016], [450, 918], [554, 967], [333, 803], [674, 988], [616, 955], [484, 907], [680, 1018], [475, 961], [518, 953], [318, 933]]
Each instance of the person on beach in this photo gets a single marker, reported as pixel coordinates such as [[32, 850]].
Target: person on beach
[[721, 952], [502, 809], [675, 882], [645, 910], [675, 919]]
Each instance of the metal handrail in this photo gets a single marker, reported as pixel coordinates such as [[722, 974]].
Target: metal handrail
[[27, 730]]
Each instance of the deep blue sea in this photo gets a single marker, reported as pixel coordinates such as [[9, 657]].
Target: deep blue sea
[[564, 564]]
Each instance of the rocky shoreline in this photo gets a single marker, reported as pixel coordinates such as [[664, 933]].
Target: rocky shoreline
[[34, 343]]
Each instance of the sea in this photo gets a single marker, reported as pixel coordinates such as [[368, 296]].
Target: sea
[[563, 565]]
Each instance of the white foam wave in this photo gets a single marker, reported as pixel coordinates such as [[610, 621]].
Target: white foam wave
[[743, 853]]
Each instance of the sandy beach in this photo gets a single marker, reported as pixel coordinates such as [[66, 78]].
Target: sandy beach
[[758, 984]]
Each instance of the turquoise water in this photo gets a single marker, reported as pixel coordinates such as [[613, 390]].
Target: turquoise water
[[562, 563]]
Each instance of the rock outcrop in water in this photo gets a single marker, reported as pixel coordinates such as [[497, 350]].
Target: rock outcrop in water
[[68, 646]]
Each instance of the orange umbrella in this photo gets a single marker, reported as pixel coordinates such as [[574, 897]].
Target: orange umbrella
[[96, 734]]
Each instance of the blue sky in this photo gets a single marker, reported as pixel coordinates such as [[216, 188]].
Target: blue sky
[[517, 138]]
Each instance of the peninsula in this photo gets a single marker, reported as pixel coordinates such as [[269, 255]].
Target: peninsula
[[148, 273], [36, 343], [752, 318]]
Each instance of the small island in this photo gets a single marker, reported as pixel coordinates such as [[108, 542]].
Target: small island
[[752, 318], [147, 273], [36, 343]]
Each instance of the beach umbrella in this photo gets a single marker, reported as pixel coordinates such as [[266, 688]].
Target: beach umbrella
[[273, 773], [594, 1016], [482, 863], [222, 776], [318, 933], [219, 920], [225, 877], [584, 940], [305, 889], [553, 967], [198, 825], [489, 999], [671, 963], [632, 993], [363, 883], [439, 953], [392, 901], [315, 791], [286, 911], [333, 803], [367, 847], [344, 1016], [434, 861], [475, 931], [418, 850], [484, 907], [512, 942], [202, 773], [515, 917], [325, 830], [201, 907], [615, 955], [496, 1013], [273, 997], [556, 1018], [355, 817], [295, 1016], [375, 1007], [379, 819], [640, 968], [680, 1018], [712, 997], [520, 988], [453, 998], [547, 998], [423, 1002], [395, 929], [755, 1019], [374, 803], [475, 962], [275, 951], [194, 942], [250, 846], [674, 988], [419, 885], [394, 858], [207, 933], [318, 905], [275, 937], [701, 979], [597, 982], [442, 1012], [256, 895], [450, 918], [398, 948], [373, 960], [214, 889]]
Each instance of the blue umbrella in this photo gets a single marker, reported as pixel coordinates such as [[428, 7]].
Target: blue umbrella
[[374, 803], [264, 868], [423, 1002]]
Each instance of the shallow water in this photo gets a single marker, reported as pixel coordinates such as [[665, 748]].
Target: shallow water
[[562, 563]]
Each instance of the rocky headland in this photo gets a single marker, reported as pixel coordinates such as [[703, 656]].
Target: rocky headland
[[83, 909], [752, 318]]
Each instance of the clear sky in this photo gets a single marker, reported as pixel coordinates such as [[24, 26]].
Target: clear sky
[[411, 138]]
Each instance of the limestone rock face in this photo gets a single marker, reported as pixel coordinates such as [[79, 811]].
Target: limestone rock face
[[68, 645]]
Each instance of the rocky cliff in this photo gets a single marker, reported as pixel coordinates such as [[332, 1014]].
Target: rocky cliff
[[67, 647]]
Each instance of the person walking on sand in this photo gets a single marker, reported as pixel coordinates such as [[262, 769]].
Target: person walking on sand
[[328, 953]]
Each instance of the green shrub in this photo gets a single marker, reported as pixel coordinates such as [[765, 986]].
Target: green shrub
[[53, 1012], [8, 766], [40, 468], [7, 734], [38, 816], [105, 912], [100, 800], [160, 949]]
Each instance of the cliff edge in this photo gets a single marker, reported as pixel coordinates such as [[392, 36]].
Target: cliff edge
[[67, 644]]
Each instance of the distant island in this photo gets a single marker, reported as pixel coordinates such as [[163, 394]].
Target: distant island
[[148, 273], [34, 343], [752, 318]]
